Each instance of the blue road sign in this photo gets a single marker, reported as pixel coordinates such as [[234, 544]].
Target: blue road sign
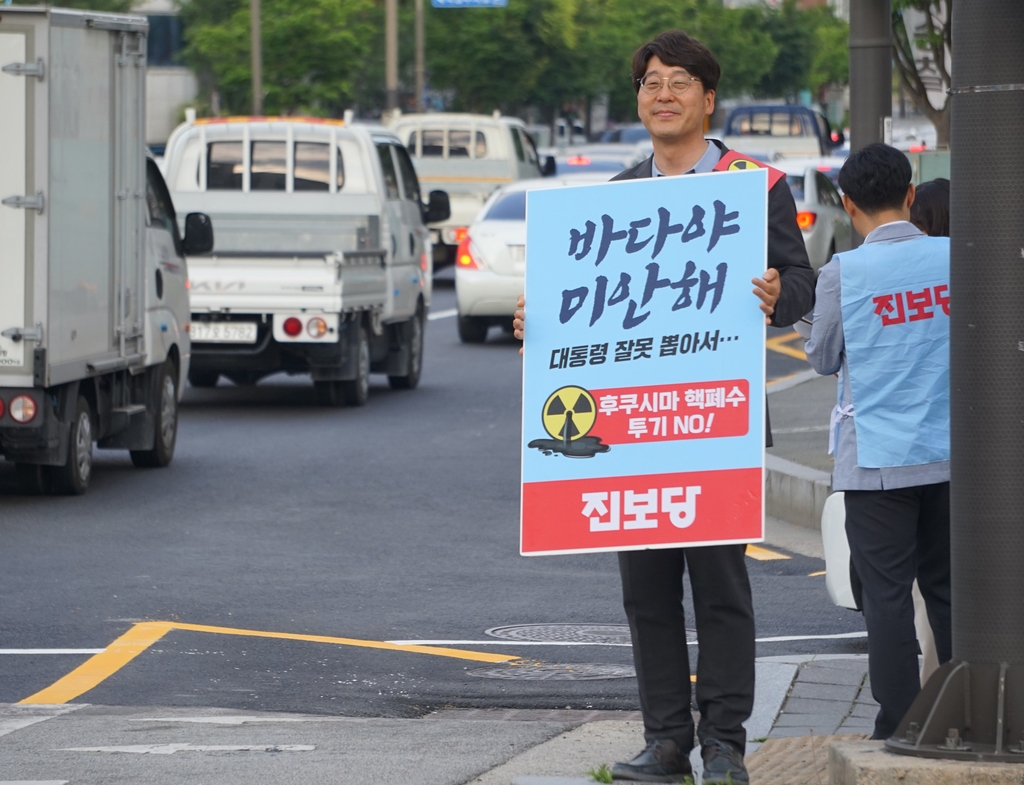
[[469, 3]]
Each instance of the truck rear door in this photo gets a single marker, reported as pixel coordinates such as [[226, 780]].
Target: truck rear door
[[20, 195]]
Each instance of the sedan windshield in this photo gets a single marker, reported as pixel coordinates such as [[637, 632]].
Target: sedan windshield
[[511, 207]]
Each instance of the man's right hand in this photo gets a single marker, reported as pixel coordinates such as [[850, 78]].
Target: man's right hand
[[519, 321]]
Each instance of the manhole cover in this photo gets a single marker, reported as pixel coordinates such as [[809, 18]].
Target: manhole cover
[[550, 671], [614, 634]]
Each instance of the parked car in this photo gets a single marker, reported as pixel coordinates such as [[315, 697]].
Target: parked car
[[322, 261], [491, 258], [634, 133], [826, 227], [783, 130], [469, 156]]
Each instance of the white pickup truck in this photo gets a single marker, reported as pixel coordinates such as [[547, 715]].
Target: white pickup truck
[[322, 263]]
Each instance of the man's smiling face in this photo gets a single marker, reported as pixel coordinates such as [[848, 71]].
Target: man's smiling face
[[670, 117]]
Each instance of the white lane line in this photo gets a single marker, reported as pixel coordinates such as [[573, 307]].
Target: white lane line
[[779, 639], [442, 314], [170, 749], [14, 717], [246, 720], [51, 651]]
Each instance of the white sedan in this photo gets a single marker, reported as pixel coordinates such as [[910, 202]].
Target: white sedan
[[826, 227], [490, 260]]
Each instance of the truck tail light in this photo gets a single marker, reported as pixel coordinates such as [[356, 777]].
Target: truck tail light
[[292, 326], [464, 258], [1, 407], [805, 219], [22, 409], [454, 235], [316, 328]]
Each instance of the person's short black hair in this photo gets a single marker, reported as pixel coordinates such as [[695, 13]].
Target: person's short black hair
[[674, 47], [930, 210], [876, 178]]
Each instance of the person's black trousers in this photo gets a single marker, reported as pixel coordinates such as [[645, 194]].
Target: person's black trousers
[[895, 536], [652, 593]]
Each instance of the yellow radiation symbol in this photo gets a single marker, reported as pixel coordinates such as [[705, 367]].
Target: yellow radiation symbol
[[740, 164], [569, 413]]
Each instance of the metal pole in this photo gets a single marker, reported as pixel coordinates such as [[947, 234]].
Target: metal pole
[[421, 80], [870, 70], [257, 57], [973, 707], [391, 52]]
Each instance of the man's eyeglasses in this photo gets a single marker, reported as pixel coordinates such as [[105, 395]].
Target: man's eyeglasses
[[677, 83]]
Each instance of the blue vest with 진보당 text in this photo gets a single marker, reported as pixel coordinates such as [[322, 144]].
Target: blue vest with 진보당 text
[[895, 302]]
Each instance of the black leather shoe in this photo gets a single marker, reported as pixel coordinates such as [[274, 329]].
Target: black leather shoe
[[723, 764], [661, 761]]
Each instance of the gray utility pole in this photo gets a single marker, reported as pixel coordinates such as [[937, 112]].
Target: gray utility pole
[[421, 69], [972, 708], [391, 52], [257, 57], [870, 70]]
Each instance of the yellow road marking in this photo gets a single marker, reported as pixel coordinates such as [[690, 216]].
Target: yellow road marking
[[763, 554], [816, 574], [100, 667], [141, 636], [780, 344]]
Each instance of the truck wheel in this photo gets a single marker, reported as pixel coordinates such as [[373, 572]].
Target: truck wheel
[[166, 416], [328, 394], [356, 391], [203, 378], [72, 478], [410, 380], [472, 329]]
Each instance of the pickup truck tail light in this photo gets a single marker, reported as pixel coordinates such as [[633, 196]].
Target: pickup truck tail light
[[22, 409], [292, 326], [464, 259], [1, 407], [316, 328], [805, 219]]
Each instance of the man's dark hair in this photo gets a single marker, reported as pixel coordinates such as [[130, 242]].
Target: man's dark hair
[[876, 178], [674, 47], [930, 210]]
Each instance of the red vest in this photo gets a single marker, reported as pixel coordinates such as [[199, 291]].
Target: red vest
[[731, 161]]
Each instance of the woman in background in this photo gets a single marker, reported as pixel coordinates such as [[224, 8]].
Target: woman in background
[[930, 210]]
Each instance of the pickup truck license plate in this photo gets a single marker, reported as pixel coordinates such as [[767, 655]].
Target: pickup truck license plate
[[223, 332]]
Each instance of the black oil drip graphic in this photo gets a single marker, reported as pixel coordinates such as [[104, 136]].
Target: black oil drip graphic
[[569, 414]]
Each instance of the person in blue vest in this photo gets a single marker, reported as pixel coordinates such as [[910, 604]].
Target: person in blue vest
[[881, 320], [675, 78]]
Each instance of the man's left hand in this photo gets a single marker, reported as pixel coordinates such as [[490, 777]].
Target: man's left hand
[[768, 288]]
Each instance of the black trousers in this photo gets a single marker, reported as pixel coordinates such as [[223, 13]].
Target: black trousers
[[895, 536], [652, 593]]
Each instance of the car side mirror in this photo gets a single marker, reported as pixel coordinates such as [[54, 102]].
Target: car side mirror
[[438, 209], [548, 169], [198, 234]]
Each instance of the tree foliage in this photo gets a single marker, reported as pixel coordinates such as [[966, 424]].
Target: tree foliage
[[917, 51], [312, 51]]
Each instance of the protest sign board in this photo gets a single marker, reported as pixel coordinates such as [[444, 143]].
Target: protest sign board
[[643, 377]]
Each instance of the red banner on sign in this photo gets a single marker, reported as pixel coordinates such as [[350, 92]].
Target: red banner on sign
[[646, 511], [668, 412]]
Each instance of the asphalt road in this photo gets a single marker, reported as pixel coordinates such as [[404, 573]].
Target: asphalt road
[[397, 521]]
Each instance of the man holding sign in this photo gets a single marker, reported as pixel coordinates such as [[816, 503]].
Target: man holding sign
[[646, 359]]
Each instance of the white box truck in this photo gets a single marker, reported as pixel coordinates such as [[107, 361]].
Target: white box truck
[[94, 308]]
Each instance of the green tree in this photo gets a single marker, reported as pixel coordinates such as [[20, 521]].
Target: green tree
[[114, 6], [925, 50], [830, 54], [312, 52]]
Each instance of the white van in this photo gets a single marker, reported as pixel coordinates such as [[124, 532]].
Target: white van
[[469, 156], [322, 260]]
